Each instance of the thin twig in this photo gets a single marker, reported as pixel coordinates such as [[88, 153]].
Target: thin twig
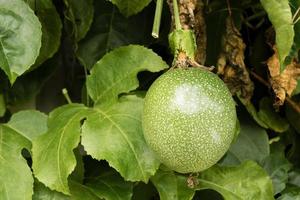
[[229, 8], [292, 103], [260, 79]]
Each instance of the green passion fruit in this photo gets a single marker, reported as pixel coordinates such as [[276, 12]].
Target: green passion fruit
[[189, 119]]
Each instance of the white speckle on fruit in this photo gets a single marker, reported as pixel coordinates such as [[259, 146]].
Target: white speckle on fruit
[[186, 99]]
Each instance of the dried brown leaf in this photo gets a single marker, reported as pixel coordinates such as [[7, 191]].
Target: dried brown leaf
[[231, 64], [282, 83]]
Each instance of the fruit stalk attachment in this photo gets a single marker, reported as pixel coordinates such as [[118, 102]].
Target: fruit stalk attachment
[[182, 42]]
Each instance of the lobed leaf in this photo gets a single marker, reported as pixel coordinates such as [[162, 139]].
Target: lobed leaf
[[14, 136], [53, 157], [116, 72], [18, 49], [113, 132]]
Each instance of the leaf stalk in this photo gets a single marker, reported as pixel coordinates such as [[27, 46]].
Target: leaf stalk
[[157, 18]]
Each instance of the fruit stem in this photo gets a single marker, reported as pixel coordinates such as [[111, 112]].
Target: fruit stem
[[176, 15], [66, 95], [157, 18]]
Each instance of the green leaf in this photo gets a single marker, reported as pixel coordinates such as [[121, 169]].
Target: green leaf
[[78, 173], [30, 123], [208, 195], [251, 144], [80, 192], [53, 157], [117, 71], [18, 48], [268, 115], [114, 133], [14, 136], [291, 193], [23, 94], [171, 186], [292, 139], [2, 105], [80, 14], [294, 177], [295, 4], [13, 167], [277, 166], [130, 7], [144, 191], [110, 186], [243, 182], [41, 192], [51, 29], [253, 112], [110, 29], [292, 115], [280, 15]]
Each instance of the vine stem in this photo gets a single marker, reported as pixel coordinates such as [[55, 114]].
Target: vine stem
[[293, 104], [176, 15], [66, 95], [157, 18]]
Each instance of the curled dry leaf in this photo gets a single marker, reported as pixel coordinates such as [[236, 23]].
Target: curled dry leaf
[[231, 64], [282, 83]]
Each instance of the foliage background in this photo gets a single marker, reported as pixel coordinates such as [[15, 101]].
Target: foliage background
[[102, 52]]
